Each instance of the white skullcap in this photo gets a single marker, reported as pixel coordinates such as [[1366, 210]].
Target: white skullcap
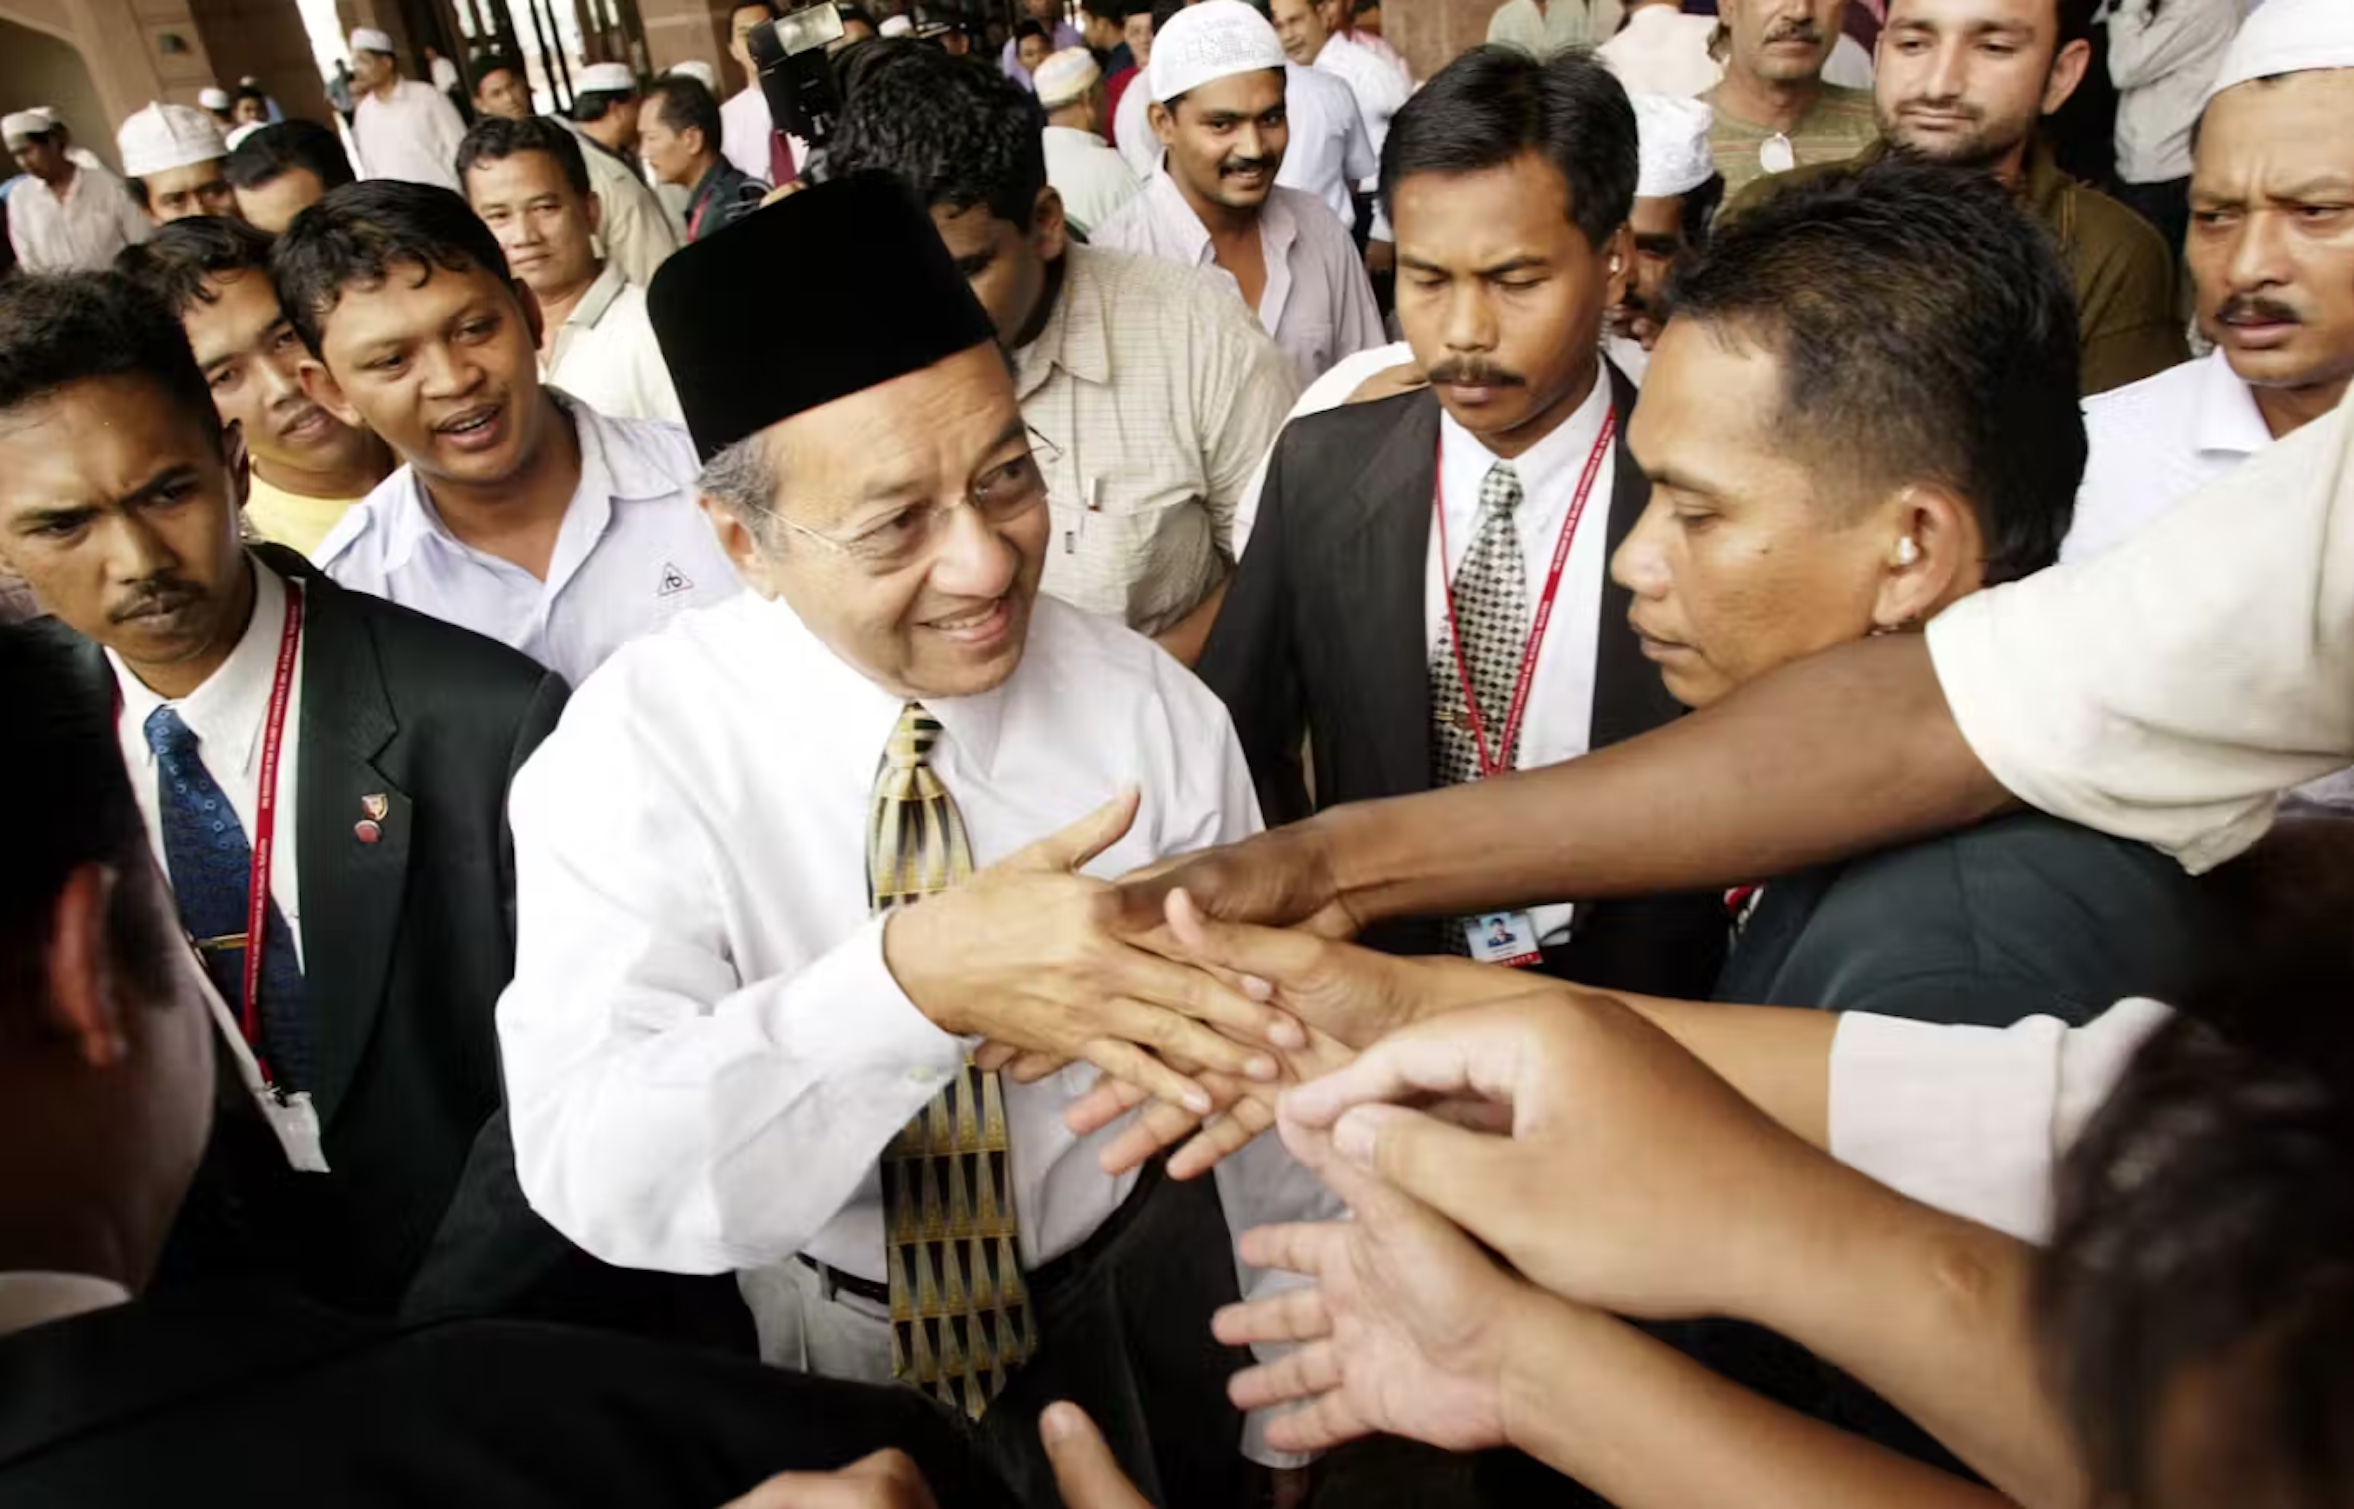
[[369, 39], [698, 70], [163, 137], [1065, 76], [1207, 42], [19, 124], [2288, 36], [896, 26], [1673, 138], [213, 97], [239, 133], [607, 78]]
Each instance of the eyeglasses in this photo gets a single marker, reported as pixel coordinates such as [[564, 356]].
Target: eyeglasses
[[1002, 494]]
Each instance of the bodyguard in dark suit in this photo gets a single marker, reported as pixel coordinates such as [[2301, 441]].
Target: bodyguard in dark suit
[[1509, 182], [386, 897]]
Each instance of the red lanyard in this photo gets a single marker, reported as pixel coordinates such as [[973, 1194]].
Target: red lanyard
[[265, 824], [1493, 764]]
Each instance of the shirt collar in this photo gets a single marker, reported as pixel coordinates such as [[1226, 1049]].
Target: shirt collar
[[2224, 416], [1168, 202], [598, 299], [1076, 336], [226, 712], [1543, 464], [869, 709], [34, 1298]]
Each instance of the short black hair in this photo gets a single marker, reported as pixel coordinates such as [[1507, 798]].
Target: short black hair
[[248, 92], [850, 12], [763, 6], [496, 62], [1926, 326], [494, 138], [1497, 102], [1114, 11], [956, 130], [61, 329], [1164, 11], [1699, 209], [175, 263], [267, 155], [361, 233], [1029, 28], [682, 103]]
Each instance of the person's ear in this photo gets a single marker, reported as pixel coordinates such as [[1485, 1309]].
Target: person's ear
[[1050, 227], [2068, 66], [84, 1007], [320, 387], [596, 214], [1935, 553], [1618, 266], [533, 319], [1163, 121], [742, 545]]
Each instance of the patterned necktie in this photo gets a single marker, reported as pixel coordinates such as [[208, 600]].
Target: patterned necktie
[[1491, 612], [211, 866], [960, 1312]]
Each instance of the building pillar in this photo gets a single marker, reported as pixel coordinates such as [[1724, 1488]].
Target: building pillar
[[1433, 33]]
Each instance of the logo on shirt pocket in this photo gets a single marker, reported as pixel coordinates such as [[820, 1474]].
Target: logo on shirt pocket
[[674, 581]]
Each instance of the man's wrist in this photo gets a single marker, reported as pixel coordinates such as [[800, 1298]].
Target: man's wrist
[[1549, 1345], [913, 956]]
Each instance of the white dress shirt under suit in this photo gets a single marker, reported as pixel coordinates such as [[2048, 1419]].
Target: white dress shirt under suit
[[634, 551]]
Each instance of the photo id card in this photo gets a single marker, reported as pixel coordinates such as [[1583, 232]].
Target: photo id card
[[1503, 938]]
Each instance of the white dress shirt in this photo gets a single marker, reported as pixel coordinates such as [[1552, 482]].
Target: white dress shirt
[[1330, 152], [1093, 179], [634, 551], [1379, 89], [744, 126], [226, 714], [31, 1297], [2162, 59], [1318, 303], [1561, 694], [80, 231], [1663, 51], [705, 1053], [1132, 129], [606, 355], [2154, 443], [413, 135]]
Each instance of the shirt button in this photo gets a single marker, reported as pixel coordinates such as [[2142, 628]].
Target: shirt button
[[923, 1074]]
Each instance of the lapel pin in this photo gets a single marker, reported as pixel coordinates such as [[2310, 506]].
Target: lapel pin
[[375, 804], [367, 831]]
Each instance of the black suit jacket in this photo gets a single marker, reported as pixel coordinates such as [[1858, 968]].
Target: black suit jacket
[[1322, 634], [235, 1398]]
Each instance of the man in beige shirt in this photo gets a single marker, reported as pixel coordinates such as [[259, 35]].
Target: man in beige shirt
[[1773, 110], [1545, 27], [1157, 387]]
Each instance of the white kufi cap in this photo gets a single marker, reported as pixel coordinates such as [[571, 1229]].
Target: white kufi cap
[[20, 124], [1065, 76], [607, 78], [1673, 137], [896, 26], [1207, 42], [239, 133], [369, 39], [213, 97], [698, 70], [2288, 36], [164, 136]]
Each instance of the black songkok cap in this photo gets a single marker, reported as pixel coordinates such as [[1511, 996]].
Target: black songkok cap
[[825, 293]]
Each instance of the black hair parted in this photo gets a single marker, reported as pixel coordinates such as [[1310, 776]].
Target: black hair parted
[[177, 261], [368, 231], [955, 130], [494, 138], [60, 329], [1926, 327], [272, 152], [682, 103]]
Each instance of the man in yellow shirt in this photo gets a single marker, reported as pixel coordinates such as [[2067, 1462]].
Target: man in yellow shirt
[[308, 466]]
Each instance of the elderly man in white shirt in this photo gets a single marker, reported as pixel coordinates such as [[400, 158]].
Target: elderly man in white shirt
[[1092, 179], [2274, 293], [1218, 85], [2162, 56], [402, 128], [64, 215], [727, 1013], [517, 512], [1306, 29]]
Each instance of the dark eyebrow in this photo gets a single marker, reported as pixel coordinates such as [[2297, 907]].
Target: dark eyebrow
[[42, 518], [1680, 481]]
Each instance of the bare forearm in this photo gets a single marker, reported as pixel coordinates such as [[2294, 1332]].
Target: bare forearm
[[1850, 750], [1778, 1057], [1185, 638], [1642, 1425]]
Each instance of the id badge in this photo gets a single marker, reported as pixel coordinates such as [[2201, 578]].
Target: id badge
[[1503, 938], [296, 1122]]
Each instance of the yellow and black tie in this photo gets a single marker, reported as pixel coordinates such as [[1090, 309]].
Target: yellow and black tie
[[960, 1312]]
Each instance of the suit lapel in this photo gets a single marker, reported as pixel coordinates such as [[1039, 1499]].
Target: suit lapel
[[1380, 564], [351, 887], [1629, 697]]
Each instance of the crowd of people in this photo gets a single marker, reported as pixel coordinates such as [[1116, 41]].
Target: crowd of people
[[957, 812]]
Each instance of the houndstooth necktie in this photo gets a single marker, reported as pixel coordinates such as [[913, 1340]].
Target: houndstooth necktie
[[960, 1321], [1490, 595]]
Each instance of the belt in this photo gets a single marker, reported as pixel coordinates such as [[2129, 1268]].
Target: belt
[[1048, 1275]]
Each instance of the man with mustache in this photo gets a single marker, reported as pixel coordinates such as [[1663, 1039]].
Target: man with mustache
[[1773, 110], [2271, 258], [309, 467], [1424, 599]]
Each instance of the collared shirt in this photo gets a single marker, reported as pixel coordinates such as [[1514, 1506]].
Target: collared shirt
[[705, 1051], [723, 197], [1837, 126], [30, 1297], [1555, 27], [79, 232], [2155, 442], [1329, 152], [634, 233], [1318, 303], [1161, 393], [1092, 178], [744, 128], [414, 135], [2162, 59], [1379, 87], [1561, 694], [1663, 51], [634, 551], [295, 520], [606, 355], [226, 714]]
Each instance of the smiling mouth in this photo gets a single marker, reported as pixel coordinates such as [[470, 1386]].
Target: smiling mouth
[[472, 422]]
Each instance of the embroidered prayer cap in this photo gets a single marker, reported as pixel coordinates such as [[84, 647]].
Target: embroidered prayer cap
[[607, 78], [698, 70], [1673, 142], [2288, 36], [166, 136], [1065, 76], [828, 292], [1204, 43], [369, 39]]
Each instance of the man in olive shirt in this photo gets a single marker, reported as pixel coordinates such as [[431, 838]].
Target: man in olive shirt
[[1773, 110], [1965, 82]]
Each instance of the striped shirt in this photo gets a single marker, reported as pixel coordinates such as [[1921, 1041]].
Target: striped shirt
[[1837, 126]]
